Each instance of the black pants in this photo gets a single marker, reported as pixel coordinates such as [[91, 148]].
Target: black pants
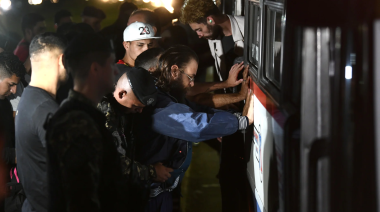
[[233, 174]]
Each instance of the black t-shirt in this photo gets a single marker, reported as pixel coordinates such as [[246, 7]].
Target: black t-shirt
[[7, 128], [31, 114]]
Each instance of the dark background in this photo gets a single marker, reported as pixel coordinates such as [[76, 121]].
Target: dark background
[[10, 21]]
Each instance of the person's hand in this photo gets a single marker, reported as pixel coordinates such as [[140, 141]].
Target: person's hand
[[244, 86], [232, 80], [162, 172], [248, 107], [220, 139]]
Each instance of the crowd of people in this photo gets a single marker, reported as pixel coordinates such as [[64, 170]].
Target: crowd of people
[[105, 119]]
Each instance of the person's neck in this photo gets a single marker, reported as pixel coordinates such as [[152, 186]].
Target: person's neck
[[48, 82], [178, 95], [88, 90], [225, 23], [128, 60]]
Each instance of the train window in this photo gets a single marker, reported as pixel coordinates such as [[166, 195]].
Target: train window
[[273, 46], [254, 32]]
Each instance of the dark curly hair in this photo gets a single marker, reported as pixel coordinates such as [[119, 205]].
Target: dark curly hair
[[10, 65], [197, 11], [178, 55]]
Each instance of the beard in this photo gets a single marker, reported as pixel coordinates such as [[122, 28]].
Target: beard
[[215, 30], [178, 90]]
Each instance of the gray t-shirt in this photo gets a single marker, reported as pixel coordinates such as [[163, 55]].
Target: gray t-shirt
[[31, 114]]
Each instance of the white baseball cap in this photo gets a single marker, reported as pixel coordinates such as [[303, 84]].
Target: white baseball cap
[[139, 31]]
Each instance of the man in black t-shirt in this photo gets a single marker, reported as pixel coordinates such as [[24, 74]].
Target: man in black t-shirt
[[11, 70], [38, 100]]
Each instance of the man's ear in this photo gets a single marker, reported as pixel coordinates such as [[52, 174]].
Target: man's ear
[[94, 68], [122, 94], [155, 30], [174, 71], [210, 20], [61, 60], [126, 45]]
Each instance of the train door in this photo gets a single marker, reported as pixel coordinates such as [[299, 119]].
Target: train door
[[333, 53]]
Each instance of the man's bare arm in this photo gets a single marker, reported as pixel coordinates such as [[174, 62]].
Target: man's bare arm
[[221, 100], [205, 87]]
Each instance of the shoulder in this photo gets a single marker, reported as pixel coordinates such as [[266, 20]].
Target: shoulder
[[239, 19], [72, 125], [45, 107], [163, 100], [75, 119]]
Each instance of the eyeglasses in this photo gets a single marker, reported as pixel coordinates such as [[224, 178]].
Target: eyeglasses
[[190, 78]]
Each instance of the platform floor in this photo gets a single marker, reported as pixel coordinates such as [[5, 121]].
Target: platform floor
[[200, 187]]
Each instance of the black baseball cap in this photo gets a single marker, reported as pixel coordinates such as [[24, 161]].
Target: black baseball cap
[[142, 84]]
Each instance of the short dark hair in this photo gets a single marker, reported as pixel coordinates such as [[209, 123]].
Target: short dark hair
[[150, 18], [61, 14], [30, 20], [178, 55], [10, 65], [93, 12], [148, 58], [84, 50], [64, 28], [126, 9], [47, 41]]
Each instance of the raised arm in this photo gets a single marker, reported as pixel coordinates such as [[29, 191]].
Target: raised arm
[[221, 100], [205, 87], [180, 121]]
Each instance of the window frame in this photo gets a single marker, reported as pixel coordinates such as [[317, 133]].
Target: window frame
[[250, 28], [267, 43]]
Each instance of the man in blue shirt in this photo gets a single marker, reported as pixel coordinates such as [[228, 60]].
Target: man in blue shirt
[[165, 132]]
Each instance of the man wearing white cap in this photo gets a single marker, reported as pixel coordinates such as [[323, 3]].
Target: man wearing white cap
[[138, 37]]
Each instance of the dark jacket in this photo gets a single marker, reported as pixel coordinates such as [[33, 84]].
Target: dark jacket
[[119, 125], [84, 170], [138, 176]]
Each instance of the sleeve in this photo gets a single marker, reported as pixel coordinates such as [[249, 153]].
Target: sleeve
[[243, 121], [180, 121], [78, 148], [46, 109], [140, 172]]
